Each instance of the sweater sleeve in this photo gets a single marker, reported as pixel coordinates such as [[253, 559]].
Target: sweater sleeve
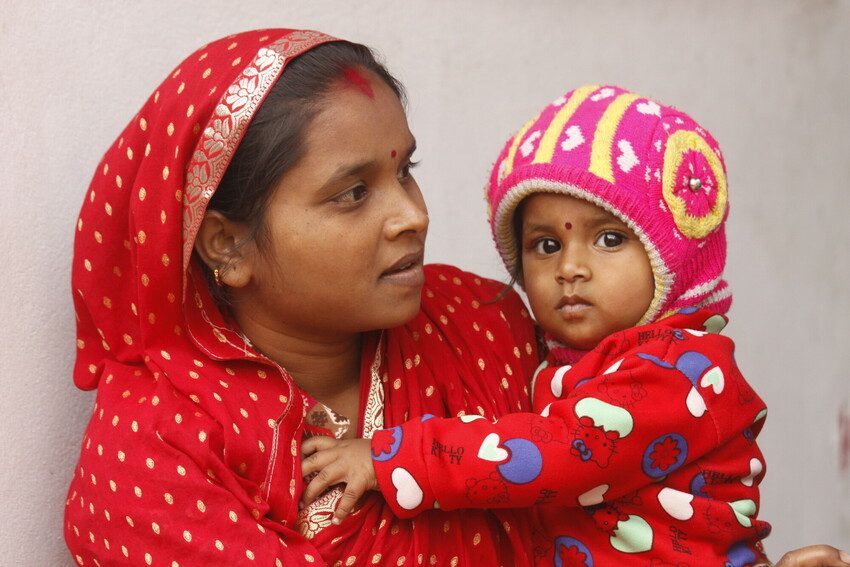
[[612, 425]]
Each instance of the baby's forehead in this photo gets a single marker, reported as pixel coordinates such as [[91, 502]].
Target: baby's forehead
[[568, 208]]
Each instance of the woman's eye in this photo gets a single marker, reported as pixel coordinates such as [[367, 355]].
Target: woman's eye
[[406, 170], [547, 246], [610, 239], [353, 195]]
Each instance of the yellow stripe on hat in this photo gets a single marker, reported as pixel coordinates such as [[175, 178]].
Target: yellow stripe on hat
[[546, 149], [603, 138], [509, 161]]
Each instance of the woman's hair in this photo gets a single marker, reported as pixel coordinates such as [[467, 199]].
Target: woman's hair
[[274, 141]]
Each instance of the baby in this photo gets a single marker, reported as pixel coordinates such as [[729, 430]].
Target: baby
[[609, 209]]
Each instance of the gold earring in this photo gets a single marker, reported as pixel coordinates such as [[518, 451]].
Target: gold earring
[[217, 277]]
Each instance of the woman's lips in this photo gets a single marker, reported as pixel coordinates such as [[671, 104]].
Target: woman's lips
[[407, 271]]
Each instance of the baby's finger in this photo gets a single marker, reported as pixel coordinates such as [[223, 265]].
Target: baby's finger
[[317, 443], [317, 461], [353, 491], [326, 478]]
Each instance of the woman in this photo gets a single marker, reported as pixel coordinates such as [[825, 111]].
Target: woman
[[238, 288]]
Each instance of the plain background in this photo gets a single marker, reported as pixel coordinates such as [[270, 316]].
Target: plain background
[[769, 78]]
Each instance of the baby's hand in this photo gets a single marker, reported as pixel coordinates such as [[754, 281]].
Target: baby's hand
[[347, 461]]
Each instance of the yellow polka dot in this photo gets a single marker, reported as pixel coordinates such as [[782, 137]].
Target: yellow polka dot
[[87, 264], [169, 499], [181, 87], [236, 61], [190, 110], [206, 73], [149, 462], [453, 562], [129, 521], [429, 391], [397, 383], [98, 237], [137, 491], [146, 280], [218, 545], [114, 420], [108, 208], [147, 150], [107, 302], [165, 173], [112, 486], [376, 559], [249, 554], [181, 470], [476, 539], [170, 128], [351, 560], [232, 516], [187, 535], [121, 456], [118, 180], [165, 260], [155, 528], [129, 152]]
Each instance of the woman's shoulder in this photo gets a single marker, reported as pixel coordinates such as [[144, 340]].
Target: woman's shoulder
[[447, 280], [456, 300]]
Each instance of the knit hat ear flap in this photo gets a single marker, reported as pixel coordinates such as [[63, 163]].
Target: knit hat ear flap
[[651, 165]]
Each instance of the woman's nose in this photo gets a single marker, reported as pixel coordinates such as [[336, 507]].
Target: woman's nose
[[409, 213]]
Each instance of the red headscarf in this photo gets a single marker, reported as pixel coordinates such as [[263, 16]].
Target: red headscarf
[[192, 453]]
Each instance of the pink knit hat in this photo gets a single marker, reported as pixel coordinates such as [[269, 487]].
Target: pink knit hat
[[650, 165]]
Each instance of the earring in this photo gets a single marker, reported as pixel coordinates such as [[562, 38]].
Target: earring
[[217, 277]]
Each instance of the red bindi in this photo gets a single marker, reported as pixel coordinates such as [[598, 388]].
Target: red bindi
[[568, 225], [356, 79], [393, 153]]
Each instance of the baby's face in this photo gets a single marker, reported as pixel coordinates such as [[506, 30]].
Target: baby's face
[[585, 272]]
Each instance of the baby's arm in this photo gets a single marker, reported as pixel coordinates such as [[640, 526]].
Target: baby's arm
[[629, 423], [346, 461]]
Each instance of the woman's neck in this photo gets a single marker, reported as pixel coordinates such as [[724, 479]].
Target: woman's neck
[[325, 367]]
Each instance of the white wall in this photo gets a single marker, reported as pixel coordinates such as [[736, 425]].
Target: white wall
[[770, 78]]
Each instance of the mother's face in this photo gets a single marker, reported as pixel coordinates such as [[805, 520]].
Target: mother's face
[[347, 224]]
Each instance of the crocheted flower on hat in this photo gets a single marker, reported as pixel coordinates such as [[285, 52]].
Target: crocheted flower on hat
[[693, 184]]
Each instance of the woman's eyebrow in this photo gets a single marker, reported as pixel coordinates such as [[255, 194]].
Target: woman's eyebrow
[[354, 169]]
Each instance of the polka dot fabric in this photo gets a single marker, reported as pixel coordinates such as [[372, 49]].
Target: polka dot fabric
[[191, 456]]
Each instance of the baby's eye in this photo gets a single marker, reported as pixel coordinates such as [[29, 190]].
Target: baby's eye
[[610, 239], [547, 246], [353, 195]]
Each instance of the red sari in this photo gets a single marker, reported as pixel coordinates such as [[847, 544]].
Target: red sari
[[192, 454]]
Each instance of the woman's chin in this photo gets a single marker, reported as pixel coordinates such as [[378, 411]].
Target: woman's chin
[[398, 312]]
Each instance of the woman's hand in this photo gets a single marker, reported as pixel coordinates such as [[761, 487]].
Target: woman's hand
[[815, 556], [347, 461]]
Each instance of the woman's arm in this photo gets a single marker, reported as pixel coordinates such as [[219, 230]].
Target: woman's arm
[[815, 556]]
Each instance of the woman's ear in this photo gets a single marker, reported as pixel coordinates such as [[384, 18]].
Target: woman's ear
[[225, 245]]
